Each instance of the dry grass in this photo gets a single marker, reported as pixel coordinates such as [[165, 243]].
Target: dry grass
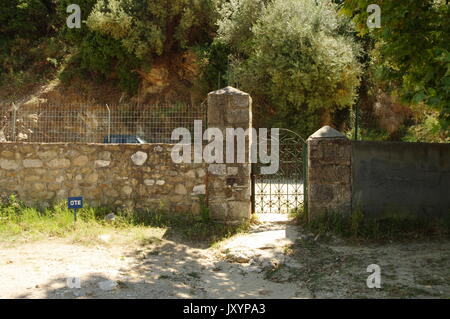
[[19, 223]]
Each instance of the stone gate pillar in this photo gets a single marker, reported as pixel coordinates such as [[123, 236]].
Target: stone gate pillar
[[329, 173], [229, 184]]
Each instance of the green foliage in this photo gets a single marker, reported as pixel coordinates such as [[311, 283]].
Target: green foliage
[[28, 49], [426, 132], [116, 38], [423, 127], [109, 17], [96, 55], [237, 18], [25, 19], [122, 36], [73, 36], [204, 210], [358, 226], [297, 59], [413, 48], [213, 60], [148, 28], [106, 56], [19, 221]]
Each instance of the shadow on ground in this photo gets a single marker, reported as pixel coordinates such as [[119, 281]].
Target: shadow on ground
[[273, 260], [171, 270]]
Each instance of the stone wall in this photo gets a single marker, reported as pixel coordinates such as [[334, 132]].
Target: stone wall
[[118, 175], [135, 175], [229, 185]]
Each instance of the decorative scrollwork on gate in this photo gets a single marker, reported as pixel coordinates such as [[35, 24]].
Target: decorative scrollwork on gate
[[284, 190]]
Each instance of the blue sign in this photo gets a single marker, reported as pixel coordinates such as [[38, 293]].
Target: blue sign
[[75, 202]]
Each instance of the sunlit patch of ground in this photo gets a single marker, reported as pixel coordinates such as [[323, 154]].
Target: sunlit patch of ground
[[274, 259]]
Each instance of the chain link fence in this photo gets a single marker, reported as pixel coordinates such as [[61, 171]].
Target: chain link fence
[[96, 124]]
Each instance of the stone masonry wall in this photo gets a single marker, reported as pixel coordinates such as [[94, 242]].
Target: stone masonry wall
[[329, 173], [136, 175], [229, 185], [120, 175]]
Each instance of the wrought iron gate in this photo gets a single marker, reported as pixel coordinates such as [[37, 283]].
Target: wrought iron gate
[[286, 189]]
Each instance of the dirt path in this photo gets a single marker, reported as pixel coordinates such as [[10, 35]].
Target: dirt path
[[275, 260]]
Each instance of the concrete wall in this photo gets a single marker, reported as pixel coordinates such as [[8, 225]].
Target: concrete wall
[[119, 175], [382, 179], [404, 179]]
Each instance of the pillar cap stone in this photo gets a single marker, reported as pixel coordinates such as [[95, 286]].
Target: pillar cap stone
[[327, 132], [228, 90]]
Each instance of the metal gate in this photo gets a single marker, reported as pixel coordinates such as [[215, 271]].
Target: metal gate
[[286, 189]]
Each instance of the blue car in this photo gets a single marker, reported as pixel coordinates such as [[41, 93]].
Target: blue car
[[121, 139]]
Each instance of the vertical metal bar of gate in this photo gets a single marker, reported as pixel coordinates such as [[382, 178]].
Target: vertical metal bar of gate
[[305, 179]]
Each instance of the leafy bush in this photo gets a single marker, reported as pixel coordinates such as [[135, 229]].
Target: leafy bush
[[425, 128], [152, 28], [107, 57]]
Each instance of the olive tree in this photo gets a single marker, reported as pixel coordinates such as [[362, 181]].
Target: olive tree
[[297, 60]]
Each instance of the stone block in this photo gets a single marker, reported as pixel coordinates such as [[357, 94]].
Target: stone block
[[102, 163], [59, 163], [329, 172], [9, 164], [217, 169], [180, 189], [80, 160], [32, 163], [139, 158], [199, 190]]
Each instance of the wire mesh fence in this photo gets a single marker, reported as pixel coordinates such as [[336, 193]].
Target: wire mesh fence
[[97, 124]]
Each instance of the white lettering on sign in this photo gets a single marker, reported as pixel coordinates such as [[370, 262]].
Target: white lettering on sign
[[75, 202]]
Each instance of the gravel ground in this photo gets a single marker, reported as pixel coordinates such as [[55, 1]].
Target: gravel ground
[[275, 260]]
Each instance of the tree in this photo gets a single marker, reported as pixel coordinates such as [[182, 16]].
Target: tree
[[125, 36], [25, 18], [149, 28], [412, 48], [28, 49], [297, 60]]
